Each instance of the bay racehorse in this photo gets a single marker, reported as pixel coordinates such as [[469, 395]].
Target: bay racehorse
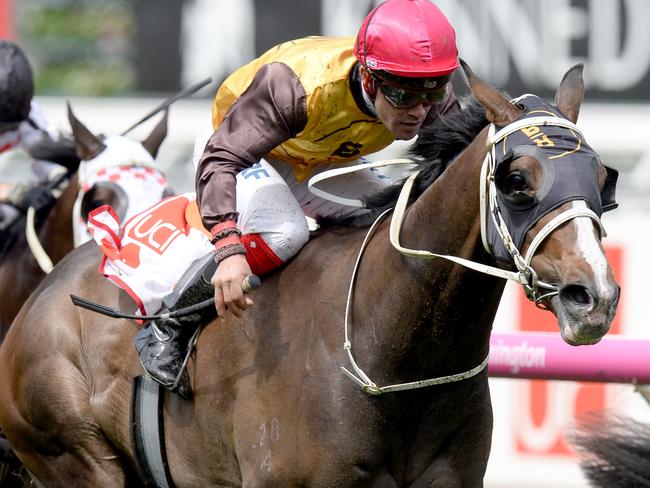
[[271, 404], [20, 272]]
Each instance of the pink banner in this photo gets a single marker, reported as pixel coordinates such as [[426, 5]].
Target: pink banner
[[544, 355]]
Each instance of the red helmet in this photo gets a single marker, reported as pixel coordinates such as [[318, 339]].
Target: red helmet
[[407, 38]]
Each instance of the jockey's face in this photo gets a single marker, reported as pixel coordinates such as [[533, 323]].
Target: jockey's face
[[403, 122]]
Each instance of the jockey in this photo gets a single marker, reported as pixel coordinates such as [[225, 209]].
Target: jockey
[[301, 108], [22, 125]]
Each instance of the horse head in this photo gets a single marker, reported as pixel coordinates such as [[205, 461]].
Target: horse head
[[116, 171], [546, 189], [113, 171]]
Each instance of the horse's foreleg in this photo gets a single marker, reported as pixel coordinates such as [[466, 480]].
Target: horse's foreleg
[[69, 470], [47, 418]]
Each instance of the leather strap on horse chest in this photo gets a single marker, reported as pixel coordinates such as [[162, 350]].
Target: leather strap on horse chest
[[361, 378]]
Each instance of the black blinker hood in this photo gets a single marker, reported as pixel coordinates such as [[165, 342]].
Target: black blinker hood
[[570, 172]]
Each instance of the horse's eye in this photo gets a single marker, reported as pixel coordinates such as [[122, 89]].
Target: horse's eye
[[515, 189], [515, 182]]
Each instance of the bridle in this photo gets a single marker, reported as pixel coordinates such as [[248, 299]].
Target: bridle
[[534, 288], [124, 156], [130, 156]]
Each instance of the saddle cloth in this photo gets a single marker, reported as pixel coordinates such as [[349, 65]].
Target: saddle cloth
[[148, 255]]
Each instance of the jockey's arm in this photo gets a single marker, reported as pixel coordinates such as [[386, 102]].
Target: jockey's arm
[[271, 111]]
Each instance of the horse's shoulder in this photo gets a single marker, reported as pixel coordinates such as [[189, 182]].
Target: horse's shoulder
[[333, 232]]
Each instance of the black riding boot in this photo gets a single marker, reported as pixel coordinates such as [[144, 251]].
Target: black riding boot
[[164, 345]]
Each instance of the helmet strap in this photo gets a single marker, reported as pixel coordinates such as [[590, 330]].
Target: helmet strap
[[370, 102], [368, 83], [368, 89], [363, 99]]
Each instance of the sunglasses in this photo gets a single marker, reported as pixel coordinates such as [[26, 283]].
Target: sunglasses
[[402, 97]]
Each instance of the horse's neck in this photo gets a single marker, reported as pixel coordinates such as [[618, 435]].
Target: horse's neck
[[57, 234], [445, 219], [424, 308]]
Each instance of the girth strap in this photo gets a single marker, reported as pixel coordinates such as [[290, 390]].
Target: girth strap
[[147, 433]]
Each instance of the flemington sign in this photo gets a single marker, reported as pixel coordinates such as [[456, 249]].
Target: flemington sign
[[544, 355]]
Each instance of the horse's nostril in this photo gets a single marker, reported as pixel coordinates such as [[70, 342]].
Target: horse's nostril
[[576, 294]]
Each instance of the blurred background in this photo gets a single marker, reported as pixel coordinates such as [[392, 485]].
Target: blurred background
[[116, 60]]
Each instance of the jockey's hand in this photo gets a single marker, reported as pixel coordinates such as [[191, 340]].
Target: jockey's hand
[[227, 281], [5, 191], [39, 197]]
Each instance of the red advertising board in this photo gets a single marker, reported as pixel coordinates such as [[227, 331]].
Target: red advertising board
[[548, 406]]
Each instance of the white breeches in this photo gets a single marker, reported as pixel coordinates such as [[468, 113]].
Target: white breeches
[[272, 203]]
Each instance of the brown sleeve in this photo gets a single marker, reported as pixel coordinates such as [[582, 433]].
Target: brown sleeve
[[271, 110]]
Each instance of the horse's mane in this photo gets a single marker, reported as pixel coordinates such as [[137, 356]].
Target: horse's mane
[[436, 147]]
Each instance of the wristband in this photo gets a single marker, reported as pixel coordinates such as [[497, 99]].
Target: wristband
[[228, 251], [223, 229], [227, 241]]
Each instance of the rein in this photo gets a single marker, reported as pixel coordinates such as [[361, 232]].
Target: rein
[[31, 236], [525, 274], [361, 378]]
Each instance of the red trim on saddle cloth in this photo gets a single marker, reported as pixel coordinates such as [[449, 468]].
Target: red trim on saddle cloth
[[9, 145], [259, 255], [122, 284], [94, 221]]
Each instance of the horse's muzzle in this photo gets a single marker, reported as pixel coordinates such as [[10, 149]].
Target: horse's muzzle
[[585, 315]]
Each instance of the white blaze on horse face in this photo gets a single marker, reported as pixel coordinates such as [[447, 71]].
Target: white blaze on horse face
[[591, 250]]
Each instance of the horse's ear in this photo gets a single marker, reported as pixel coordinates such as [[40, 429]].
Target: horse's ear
[[498, 110], [87, 145], [154, 139], [570, 93]]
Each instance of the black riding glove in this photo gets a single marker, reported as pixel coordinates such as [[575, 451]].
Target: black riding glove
[[39, 197]]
